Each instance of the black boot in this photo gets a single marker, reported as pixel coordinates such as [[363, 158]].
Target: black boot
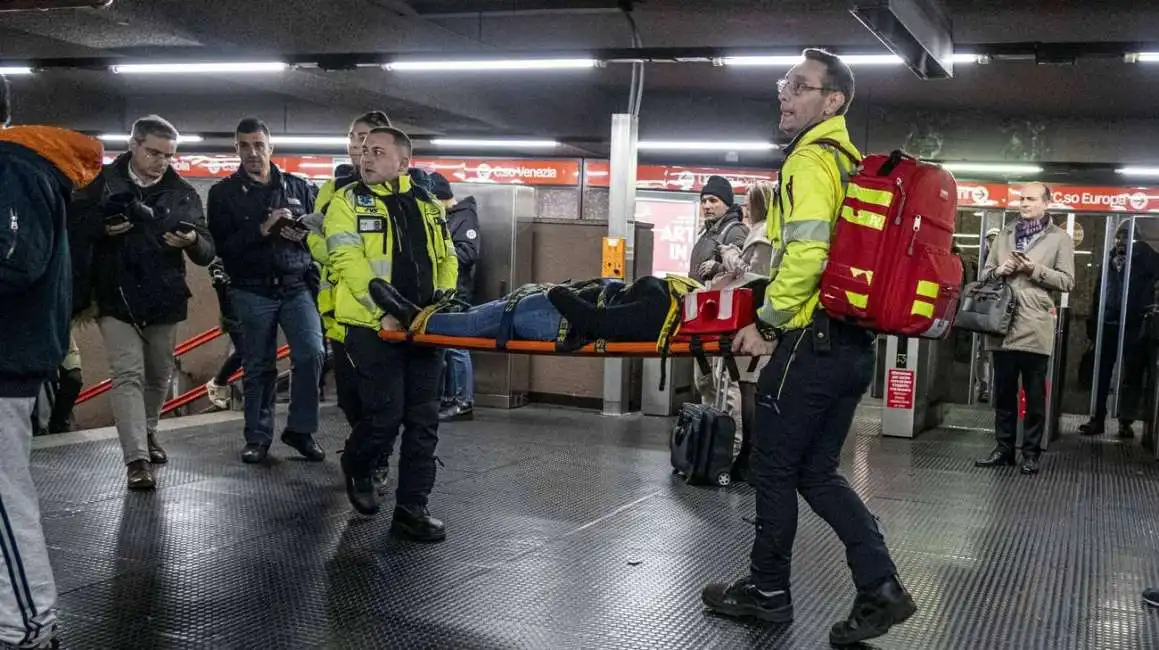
[[874, 612], [380, 476], [997, 458], [416, 523], [305, 445], [1095, 427], [392, 302], [360, 489], [742, 599]]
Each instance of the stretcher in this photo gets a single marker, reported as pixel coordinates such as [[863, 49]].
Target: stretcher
[[711, 347]]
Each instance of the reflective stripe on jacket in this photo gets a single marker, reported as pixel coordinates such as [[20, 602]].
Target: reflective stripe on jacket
[[810, 190], [360, 243]]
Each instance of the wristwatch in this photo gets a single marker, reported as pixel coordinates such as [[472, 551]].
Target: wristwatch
[[768, 332]]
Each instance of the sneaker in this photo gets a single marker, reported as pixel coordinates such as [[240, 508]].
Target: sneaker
[[456, 412], [742, 599], [219, 396]]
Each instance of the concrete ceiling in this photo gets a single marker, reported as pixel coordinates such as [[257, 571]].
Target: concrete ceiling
[[690, 101]]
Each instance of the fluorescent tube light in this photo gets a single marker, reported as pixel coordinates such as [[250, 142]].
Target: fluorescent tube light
[[497, 64], [13, 70], [851, 59], [310, 140], [517, 144], [200, 68], [124, 137], [987, 168], [1144, 57], [1138, 171], [665, 145]]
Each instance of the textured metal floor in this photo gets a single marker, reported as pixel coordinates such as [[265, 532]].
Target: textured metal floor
[[566, 531]]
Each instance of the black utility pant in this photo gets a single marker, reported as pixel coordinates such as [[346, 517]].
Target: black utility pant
[[1009, 365], [806, 398], [346, 383], [398, 385]]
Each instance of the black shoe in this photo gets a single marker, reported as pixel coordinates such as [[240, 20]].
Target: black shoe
[[417, 524], [1151, 596], [1029, 465], [1126, 431], [379, 479], [254, 453], [997, 458], [457, 411], [157, 454], [140, 476], [742, 599], [304, 444], [874, 612], [1094, 427], [361, 491]]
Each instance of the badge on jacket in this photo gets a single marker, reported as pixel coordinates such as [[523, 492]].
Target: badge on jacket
[[365, 200], [471, 234], [370, 224]]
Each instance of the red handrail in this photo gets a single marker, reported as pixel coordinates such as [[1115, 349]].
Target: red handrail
[[201, 339], [192, 395]]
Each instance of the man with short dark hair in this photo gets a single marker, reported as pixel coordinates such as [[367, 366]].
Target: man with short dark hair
[[39, 169], [129, 230], [383, 229], [818, 371], [254, 217]]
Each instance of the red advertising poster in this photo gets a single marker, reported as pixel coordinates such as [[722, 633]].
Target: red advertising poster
[[674, 178], [504, 171], [899, 389], [673, 232], [1081, 198]]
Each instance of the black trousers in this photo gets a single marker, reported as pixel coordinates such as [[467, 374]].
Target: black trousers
[[1133, 371], [1008, 367], [806, 398], [346, 383], [398, 385]]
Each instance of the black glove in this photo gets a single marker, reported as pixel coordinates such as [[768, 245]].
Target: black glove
[[392, 302]]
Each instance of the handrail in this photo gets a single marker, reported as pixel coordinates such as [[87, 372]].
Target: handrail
[[192, 395], [182, 348]]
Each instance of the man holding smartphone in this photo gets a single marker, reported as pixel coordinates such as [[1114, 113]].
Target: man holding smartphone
[[128, 231], [254, 216]]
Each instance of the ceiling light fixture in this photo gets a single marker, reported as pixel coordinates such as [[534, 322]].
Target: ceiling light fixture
[[13, 70], [667, 145], [124, 137], [200, 68], [988, 168], [497, 144], [851, 59], [1143, 57], [490, 65], [1138, 171]]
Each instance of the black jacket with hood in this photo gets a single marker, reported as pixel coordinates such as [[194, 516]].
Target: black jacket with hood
[[135, 277], [463, 222]]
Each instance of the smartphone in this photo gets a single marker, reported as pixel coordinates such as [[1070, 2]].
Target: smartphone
[[284, 223], [184, 228], [116, 220]]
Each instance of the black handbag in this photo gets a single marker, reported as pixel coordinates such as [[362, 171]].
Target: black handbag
[[986, 307]]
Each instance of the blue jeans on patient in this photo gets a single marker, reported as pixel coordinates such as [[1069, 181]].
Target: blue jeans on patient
[[459, 377], [535, 320]]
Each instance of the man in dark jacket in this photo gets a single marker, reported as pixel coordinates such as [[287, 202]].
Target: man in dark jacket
[[723, 226], [39, 169], [129, 229], [463, 222], [254, 216]]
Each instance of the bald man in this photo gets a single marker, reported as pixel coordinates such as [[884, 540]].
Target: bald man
[[1036, 258]]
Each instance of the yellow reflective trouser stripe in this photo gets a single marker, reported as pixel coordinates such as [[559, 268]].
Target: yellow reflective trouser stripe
[[863, 218], [928, 289], [882, 198], [806, 230], [343, 239], [859, 300], [922, 308]]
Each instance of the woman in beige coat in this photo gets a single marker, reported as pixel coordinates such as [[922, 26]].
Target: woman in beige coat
[[1036, 258]]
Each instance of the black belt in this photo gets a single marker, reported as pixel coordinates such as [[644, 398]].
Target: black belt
[[277, 281]]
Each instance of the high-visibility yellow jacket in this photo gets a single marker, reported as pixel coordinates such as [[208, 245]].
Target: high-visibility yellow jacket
[[316, 241], [801, 220], [360, 243]]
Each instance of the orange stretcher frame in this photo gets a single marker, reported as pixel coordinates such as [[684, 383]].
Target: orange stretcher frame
[[646, 349]]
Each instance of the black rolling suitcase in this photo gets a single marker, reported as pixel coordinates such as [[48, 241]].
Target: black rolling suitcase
[[702, 441]]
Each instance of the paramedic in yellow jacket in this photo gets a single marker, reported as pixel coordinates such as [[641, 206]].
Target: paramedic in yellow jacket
[[808, 392], [344, 377], [385, 227]]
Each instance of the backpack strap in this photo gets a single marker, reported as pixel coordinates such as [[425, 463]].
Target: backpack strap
[[838, 148]]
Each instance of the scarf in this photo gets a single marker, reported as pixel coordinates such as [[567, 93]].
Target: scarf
[[1025, 230]]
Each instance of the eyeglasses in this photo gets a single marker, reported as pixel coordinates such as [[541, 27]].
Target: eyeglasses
[[796, 88]]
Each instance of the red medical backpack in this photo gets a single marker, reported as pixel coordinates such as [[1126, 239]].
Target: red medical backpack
[[890, 268]]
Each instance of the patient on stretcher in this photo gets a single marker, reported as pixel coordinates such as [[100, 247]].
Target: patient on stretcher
[[571, 314]]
